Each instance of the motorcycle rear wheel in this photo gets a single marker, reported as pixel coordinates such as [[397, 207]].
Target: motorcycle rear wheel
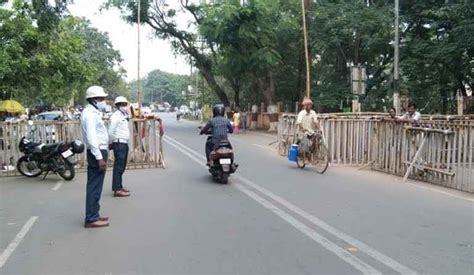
[[225, 178], [21, 166], [67, 172]]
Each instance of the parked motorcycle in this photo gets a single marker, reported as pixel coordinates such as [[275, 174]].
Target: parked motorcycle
[[222, 163], [40, 158]]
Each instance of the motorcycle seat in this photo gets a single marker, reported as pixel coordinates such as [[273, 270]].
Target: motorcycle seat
[[49, 148], [224, 143]]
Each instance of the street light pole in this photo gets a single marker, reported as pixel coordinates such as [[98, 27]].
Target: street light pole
[[396, 77]]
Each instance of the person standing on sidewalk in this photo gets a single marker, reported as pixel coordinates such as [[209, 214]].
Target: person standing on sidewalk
[[96, 138], [236, 118], [119, 133]]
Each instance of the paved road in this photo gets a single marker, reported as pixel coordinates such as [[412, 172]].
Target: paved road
[[271, 218]]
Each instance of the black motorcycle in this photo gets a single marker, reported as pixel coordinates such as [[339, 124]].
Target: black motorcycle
[[41, 158], [222, 163]]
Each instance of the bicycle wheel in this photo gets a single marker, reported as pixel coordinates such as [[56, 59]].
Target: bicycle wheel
[[300, 161], [321, 158]]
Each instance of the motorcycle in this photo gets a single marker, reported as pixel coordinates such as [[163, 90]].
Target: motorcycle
[[222, 163], [40, 158]]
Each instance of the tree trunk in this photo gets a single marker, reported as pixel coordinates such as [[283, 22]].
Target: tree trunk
[[211, 81], [267, 86], [235, 83], [202, 62]]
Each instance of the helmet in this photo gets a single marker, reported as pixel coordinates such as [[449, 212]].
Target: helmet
[[77, 146], [218, 110], [120, 99], [95, 91]]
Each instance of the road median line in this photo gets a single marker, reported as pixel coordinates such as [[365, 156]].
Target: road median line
[[57, 186]]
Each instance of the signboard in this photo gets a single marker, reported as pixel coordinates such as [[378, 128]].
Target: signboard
[[358, 80]]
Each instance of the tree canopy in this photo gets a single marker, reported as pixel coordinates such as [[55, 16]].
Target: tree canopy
[[160, 87], [50, 57], [250, 51]]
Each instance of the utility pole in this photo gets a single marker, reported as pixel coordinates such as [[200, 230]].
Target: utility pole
[[139, 86], [396, 77], [305, 34]]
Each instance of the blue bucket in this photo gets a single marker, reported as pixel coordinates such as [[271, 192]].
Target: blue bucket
[[293, 153]]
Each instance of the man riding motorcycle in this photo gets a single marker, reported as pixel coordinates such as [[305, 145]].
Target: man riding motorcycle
[[219, 126]]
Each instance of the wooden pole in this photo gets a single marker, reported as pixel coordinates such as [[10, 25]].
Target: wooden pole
[[415, 158], [305, 34], [460, 101], [139, 86], [396, 78]]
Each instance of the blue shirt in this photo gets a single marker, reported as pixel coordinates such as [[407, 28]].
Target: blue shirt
[[219, 127]]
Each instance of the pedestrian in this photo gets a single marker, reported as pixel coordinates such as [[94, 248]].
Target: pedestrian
[[392, 113], [243, 121], [119, 136], [96, 139], [236, 118], [411, 115], [24, 117]]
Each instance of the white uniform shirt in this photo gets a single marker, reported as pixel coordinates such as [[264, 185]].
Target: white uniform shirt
[[307, 120], [94, 131], [119, 128]]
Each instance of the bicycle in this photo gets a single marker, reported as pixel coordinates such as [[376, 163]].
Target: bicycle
[[318, 154]]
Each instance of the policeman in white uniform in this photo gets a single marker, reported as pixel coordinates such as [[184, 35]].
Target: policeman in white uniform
[[96, 139], [119, 136]]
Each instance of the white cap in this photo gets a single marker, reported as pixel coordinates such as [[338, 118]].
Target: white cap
[[120, 99], [95, 91]]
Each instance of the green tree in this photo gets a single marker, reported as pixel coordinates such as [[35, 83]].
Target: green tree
[[161, 17], [159, 86], [245, 42], [437, 53], [102, 60], [53, 62]]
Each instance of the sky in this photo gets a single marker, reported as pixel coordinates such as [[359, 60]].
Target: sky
[[155, 53]]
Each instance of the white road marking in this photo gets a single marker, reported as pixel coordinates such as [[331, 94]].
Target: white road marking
[[331, 246], [18, 238], [171, 142], [263, 135], [332, 230], [264, 147], [57, 186], [326, 243], [314, 220]]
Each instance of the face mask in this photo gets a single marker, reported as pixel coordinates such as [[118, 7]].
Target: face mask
[[101, 105], [124, 109]]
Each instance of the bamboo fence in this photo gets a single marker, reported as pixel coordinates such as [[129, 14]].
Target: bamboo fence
[[435, 151]]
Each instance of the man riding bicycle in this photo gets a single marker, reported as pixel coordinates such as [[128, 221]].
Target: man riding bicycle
[[307, 123]]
